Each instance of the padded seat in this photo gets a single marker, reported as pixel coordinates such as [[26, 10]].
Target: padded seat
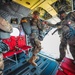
[[16, 45]]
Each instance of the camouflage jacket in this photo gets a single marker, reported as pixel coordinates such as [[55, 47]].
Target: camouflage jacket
[[34, 28], [68, 32]]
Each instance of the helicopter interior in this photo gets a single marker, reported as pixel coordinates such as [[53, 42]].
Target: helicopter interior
[[15, 60]]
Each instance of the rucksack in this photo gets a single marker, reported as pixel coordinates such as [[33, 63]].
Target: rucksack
[[25, 22]]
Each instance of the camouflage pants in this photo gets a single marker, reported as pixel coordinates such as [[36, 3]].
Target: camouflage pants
[[1, 64], [36, 44]]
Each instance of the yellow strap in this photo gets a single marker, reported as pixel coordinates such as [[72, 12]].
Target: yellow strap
[[24, 20]]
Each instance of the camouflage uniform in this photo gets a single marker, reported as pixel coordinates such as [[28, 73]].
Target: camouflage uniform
[[1, 64], [3, 48], [68, 34], [6, 29], [34, 36], [63, 29]]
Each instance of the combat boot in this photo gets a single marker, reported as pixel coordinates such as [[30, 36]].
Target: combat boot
[[32, 60]]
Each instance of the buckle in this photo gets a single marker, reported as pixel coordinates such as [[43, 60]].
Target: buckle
[[60, 68], [24, 21]]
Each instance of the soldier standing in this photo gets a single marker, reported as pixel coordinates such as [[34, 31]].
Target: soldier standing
[[64, 19], [67, 66], [62, 47]]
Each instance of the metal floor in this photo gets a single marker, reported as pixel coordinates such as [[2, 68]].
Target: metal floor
[[46, 66]]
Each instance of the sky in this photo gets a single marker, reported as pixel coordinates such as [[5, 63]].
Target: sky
[[51, 43]]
